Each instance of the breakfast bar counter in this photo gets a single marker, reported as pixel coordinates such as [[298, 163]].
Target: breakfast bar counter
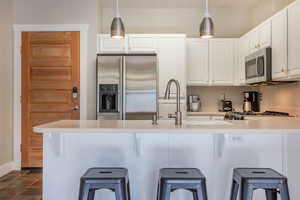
[[213, 146]]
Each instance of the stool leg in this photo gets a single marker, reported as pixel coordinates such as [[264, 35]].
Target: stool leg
[[128, 191], [202, 192], [246, 192], [83, 191], [120, 192], [164, 192], [271, 194], [284, 191], [195, 194], [91, 195], [234, 190]]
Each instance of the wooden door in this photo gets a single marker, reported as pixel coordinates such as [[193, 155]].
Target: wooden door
[[50, 71]]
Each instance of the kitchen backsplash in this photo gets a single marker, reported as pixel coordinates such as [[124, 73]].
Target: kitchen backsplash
[[210, 95], [283, 98]]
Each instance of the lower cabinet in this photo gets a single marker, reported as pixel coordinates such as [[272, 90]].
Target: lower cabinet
[[244, 150]]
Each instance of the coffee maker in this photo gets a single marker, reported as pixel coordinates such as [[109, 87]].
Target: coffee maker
[[251, 101]]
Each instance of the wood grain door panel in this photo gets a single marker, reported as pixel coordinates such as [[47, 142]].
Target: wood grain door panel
[[50, 70]]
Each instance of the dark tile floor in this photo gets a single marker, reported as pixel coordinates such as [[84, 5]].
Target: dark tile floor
[[21, 185]]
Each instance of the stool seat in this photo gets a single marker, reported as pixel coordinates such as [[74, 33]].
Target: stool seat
[[105, 175], [114, 179], [246, 180], [191, 179], [258, 173]]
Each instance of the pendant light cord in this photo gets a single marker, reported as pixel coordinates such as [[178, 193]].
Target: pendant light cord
[[206, 13], [117, 9]]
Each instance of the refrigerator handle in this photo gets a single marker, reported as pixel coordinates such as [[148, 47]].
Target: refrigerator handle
[[124, 88], [120, 90]]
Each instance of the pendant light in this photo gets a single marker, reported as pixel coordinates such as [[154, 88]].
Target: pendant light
[[117, 30], [207, 25]]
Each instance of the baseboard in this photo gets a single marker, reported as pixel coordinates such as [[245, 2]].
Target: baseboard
[[6, 168]]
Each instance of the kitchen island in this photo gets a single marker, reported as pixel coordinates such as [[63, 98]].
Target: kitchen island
[[215, 147]]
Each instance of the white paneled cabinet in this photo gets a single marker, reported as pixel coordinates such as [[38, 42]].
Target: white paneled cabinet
[[294, 39], [279, 45], [197, 61], [141, 42], [108, 44], [222, 61], [212, 62], [171, 62], [243, 51], [260, 37]]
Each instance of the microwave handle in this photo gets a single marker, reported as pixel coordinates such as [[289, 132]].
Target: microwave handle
[[257, 71]]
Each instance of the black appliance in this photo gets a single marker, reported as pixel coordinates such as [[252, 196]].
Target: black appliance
[[252, 98], [225, 106]]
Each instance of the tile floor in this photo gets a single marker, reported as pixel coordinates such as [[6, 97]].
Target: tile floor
[[21, 185]]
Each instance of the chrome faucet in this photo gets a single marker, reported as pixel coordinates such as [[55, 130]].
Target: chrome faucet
[[178, 114]]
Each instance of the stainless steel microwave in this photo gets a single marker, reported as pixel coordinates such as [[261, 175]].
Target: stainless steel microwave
[[258, 66]]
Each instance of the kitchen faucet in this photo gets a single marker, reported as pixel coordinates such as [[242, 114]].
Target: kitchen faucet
[[178, 114]]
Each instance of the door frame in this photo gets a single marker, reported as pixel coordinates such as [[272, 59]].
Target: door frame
[[17, 89]]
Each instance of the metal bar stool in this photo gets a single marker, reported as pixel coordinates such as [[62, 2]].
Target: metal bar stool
[[191, 179], [246, 180], [114, 179]]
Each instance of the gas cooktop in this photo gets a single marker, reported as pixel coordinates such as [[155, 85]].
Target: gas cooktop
[[266, 113]]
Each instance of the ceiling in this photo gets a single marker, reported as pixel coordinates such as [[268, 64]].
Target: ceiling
[[239, 4]]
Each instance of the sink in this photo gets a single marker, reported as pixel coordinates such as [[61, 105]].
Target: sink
[[206, 122]]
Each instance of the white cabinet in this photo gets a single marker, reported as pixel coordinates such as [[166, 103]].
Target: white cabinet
[[222, 61], [260, 37], [197, 61], [108, 44], [195, 151], [152, 155], [141, 42], [247, 150], [294, 39], [171, 62], [279, 45], [242, 53]]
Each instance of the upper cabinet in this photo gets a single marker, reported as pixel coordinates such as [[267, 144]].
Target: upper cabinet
[[212, 62], [171, 61], [243, 51], [141, 42], [260, 37], [197, 61], [294, 39], [108, 44], [222, 61], [279, 45]]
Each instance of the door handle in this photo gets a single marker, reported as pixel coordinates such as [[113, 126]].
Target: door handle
[[76, 107], [74, 92]]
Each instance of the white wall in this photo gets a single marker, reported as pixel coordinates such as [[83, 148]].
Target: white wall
[[229, 22], [6, 21], [66, 12]]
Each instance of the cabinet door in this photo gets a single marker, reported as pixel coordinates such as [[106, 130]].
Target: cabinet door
[[253, 41], [152, 155], [264, 34], [197, 62], [141, 43], [279, 45], [108, 44], [194, 151], [222, 61], [247, 150], [294, 39], [243, 52], [171, 63]]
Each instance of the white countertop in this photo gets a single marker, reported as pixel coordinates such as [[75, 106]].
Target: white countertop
[[272, 125]]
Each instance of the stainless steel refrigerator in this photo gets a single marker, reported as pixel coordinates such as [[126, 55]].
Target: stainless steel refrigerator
[[127, 86]]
